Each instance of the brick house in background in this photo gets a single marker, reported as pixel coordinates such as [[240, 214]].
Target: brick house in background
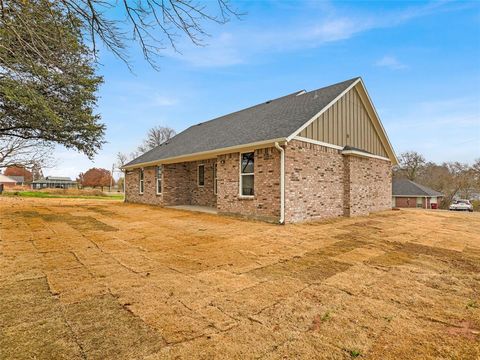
[[409, 194], [7, 181], [304, 156]]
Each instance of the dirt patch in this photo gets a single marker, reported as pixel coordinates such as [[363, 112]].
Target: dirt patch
[[108, 330], [466, 329], [310, 268], [84, 280], [80, 223]]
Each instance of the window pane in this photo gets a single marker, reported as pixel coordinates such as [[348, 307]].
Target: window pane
[[201, 175], [247, 162], [247, 185]]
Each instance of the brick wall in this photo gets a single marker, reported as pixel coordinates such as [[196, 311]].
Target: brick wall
[[322, 183], [132, 187], [176, 184], [368, 185], [201, 195], [410, 202], [179, 185], [265, 204], [313, 182]]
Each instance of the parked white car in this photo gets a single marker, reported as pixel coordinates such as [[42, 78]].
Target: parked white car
[[461, 205]]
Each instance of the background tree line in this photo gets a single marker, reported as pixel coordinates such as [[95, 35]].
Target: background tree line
[[155, 136], [453, 179]]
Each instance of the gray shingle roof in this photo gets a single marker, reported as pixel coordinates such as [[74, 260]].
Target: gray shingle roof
[[271, 120], [18, 178], [54, 179], [409, 188]]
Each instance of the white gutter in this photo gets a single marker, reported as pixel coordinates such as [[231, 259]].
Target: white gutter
[[282, 183], [206, 154], [124, 185]]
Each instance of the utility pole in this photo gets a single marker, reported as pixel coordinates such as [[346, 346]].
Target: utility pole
[[111, 178]]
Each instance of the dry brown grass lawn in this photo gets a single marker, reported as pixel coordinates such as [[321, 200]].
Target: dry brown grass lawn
[[82, 279]]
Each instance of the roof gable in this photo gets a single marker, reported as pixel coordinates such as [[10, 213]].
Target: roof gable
[[352, 113], [405, 187], [346, 123], [6, 179], [274, 120]]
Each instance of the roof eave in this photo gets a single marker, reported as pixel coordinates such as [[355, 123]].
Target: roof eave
[[206, 154]]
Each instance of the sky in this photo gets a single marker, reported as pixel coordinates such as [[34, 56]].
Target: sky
[[420, 62]]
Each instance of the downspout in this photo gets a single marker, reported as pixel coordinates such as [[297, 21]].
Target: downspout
[[124, 185], [282, 183]]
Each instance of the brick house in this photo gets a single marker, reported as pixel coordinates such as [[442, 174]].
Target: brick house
[[304, 156], [409, 194]]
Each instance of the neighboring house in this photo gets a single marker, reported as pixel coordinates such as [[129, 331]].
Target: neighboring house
[[54, 182], [304, 156], [7, 181], [406, 193]]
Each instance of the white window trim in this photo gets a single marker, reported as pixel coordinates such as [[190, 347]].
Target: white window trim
[[241, 177], [141, 182], [161, 180], [215, 184], [198, 175]]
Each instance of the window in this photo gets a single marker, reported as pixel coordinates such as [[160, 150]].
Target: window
[[215, 178], [159, 179], [246, 174], [201, 175], [141, 181], [419, 202]]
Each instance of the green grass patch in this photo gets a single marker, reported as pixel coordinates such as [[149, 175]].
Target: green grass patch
[[472, 304], [326, 316], [38, 194], [354, 353]]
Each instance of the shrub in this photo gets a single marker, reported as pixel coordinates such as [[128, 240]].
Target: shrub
[[73, 192], [476, 205]]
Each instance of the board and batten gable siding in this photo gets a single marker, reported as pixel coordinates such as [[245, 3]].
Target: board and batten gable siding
[[346, 122]]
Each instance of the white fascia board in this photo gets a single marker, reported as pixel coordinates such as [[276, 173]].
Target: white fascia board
[[316, 142], [363, 154], [210, 153]]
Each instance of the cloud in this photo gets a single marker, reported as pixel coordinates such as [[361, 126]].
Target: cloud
[[391, 62], [162, 100], [222, 50], [316, 27]]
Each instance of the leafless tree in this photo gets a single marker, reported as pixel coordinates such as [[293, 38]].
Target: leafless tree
[[156, 136], [450, 178], [153, 24], [122, 159], [410, 165], [476, 173], [25, 153]]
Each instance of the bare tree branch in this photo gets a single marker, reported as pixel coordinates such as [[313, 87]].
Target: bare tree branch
[[153, 23], [25, 153]]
